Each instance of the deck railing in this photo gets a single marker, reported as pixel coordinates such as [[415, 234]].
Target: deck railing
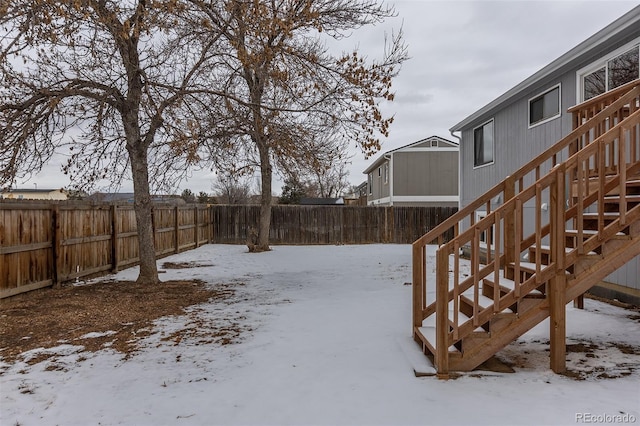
[[605, 145]]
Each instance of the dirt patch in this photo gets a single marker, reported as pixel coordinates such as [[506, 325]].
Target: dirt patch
[[106, 314], [588, 348]]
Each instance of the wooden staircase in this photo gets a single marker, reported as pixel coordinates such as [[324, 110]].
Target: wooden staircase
[[569, 218]]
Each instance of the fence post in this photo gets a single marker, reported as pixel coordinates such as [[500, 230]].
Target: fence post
[[55, 244], [195, 222], [210, 227], [114, 238], [176, 222]]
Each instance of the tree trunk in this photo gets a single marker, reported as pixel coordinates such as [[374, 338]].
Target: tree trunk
[[144, 218], [265, 201]]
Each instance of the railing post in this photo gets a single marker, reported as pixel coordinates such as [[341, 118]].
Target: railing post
[[442, 314], [509, 228]]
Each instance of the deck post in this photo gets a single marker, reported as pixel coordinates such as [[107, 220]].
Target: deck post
[[418, 285], [557, 323], [557, 285], [442, 314]]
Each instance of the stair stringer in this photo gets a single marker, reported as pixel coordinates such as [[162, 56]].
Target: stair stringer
[[595, 273], [472, 358]]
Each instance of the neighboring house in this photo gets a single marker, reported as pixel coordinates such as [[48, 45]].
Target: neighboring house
[[517, 126], [34, 194], [424, 173]]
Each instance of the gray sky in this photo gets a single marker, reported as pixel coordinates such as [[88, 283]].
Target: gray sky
[[463, 54]]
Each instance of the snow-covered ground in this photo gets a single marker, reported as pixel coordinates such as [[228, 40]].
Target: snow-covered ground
[[327, 331]]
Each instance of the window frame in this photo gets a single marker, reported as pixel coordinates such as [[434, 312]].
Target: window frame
[[603, 62], [541, 95], [493, 148]]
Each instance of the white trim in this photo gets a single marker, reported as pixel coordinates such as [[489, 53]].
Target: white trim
[[390, 171], [473, 138], [416, 199], [601, 63], [439, 149], [425, 198], [541, 95]]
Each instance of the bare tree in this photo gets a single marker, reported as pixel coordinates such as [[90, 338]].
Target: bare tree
[[232, 188], [116, 84], [326, 174], [284, 88]]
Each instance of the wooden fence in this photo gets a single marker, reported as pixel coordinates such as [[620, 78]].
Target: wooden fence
[[45, 244], [42, 244], [329, 224]]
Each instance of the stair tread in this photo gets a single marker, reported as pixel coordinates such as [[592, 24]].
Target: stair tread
[[429, 333], [547, 249], [484, 301], [431, 320], [589, 232], [510, 284], [604, 214], [615, 198]]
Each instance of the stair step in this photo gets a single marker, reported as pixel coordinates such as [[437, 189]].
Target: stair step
[[507, 285], [431, 320], [547, 249], [429, 333], [617, 199], [606, 215], [588, 233], [483, 301]]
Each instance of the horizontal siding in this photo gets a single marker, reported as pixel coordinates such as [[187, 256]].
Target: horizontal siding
[[425, 173]]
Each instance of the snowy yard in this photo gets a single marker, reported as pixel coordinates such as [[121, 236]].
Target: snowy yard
[[326, 341]]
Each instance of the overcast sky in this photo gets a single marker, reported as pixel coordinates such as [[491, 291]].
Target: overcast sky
[[463, 54]]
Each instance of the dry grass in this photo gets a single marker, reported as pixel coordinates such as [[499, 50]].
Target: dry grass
[[122, 310]]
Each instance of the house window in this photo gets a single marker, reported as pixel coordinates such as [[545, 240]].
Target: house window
[[386, 173], [434, 143], [370, 183], [379, 171], [483, 138], [544, 107], [613, 71]]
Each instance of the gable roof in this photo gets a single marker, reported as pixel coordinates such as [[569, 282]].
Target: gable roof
[[411, 145], [630, 20]]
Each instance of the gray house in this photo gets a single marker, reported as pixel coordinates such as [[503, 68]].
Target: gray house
[[424, 173], [517, 126]]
